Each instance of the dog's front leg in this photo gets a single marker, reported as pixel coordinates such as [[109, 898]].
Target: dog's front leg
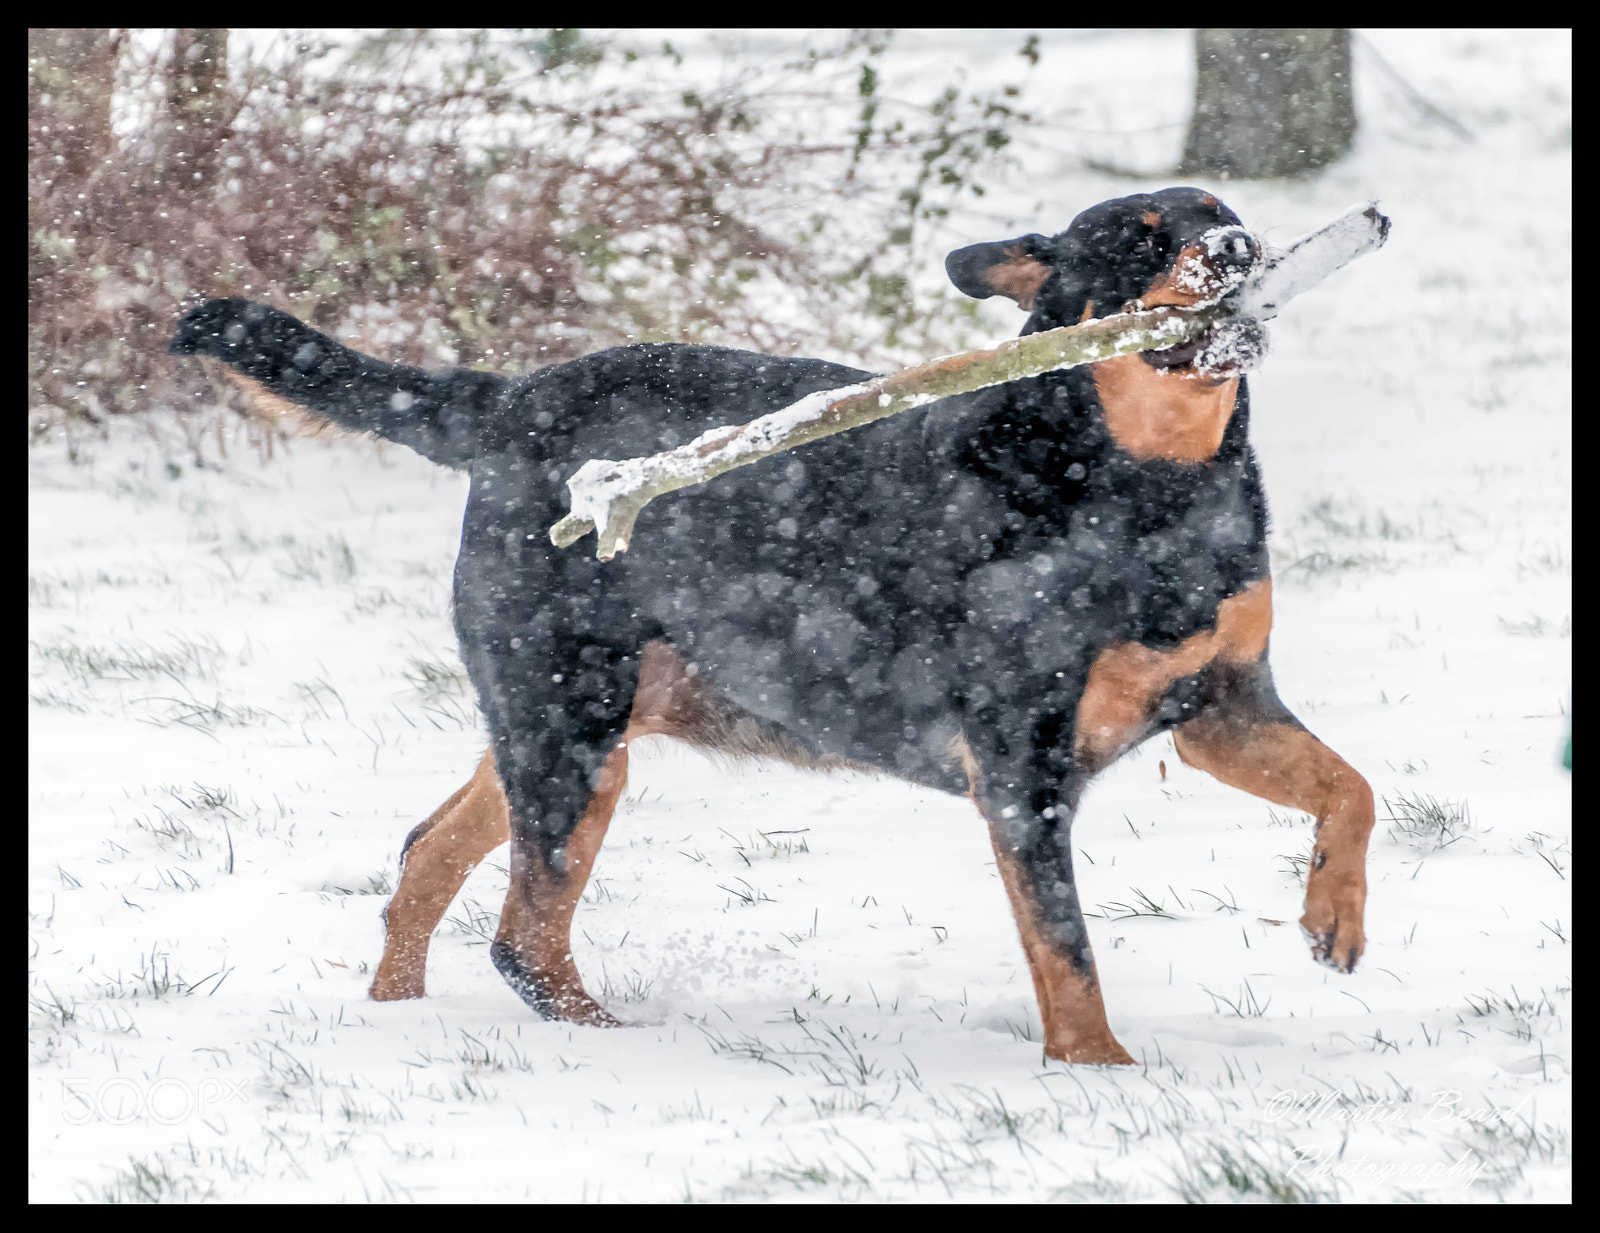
[[1247, 738], [1034, 853]]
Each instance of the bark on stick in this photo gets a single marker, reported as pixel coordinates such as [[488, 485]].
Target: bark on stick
[[607, 496]]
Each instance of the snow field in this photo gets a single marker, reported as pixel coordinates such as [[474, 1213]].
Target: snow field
[[244, 691]]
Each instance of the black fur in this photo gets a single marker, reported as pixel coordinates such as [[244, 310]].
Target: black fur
[[947, 572]]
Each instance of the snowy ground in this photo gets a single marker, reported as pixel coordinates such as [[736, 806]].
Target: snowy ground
[[243, 691]]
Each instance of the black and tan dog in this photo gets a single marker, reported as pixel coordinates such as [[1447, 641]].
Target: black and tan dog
[[996, 595]]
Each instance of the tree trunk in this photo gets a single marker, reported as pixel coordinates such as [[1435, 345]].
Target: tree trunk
[[197, 96], [71, 74], [1269, 103]]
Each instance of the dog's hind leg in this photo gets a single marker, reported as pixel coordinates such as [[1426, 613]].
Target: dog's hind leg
[[1248, 739], [551, 863], [532, 948], [437, 857], [561, 731], [440, 853], [1034, 853]]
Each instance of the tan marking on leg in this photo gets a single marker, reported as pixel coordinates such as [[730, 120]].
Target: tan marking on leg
[[1127, 680], [674, 701], [669, 700], [1070, 1007], [461, 832], [1285, 764], [961, 754], [536, 923]]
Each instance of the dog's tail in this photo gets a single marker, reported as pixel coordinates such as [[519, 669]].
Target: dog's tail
[[440, 415]]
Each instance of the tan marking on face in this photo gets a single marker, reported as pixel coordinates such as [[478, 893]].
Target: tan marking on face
[[1154, 413], [1174, 414], [1184, 282], [1285, 764], [1019, 278], [1208, 200], [1128, 680], [1151, 219]]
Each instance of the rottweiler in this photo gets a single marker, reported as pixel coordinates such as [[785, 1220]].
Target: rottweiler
[[996, 595]]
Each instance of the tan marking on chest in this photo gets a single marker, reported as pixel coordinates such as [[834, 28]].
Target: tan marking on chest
[[1128, 680], [1151, 414]]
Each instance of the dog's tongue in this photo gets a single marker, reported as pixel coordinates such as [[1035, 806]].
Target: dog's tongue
[[1181, 354]]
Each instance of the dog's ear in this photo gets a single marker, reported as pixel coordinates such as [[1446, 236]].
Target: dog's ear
[[1016, 269]]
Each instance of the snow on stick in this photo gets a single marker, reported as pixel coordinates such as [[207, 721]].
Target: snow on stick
[[1310, 259], [608, 496]]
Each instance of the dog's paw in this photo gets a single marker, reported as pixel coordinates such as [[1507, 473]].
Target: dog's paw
[[555, 992], [388, 988], [579, 1007], [1336, 941], [1099, 1051]]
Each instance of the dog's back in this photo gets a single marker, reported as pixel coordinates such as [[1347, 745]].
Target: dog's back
[[844, 591]]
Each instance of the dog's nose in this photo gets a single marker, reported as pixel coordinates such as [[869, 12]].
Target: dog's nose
[[1232, 246]]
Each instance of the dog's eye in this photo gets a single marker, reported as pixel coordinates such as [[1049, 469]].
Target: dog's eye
[[1146, 245]]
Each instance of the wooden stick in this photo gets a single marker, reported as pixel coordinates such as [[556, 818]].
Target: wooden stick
[[608, 496]]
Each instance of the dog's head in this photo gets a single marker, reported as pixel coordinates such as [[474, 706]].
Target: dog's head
[[1180, 246]]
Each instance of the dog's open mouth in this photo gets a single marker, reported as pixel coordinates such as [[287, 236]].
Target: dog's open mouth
[[1181, 355], [1231, 347]]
